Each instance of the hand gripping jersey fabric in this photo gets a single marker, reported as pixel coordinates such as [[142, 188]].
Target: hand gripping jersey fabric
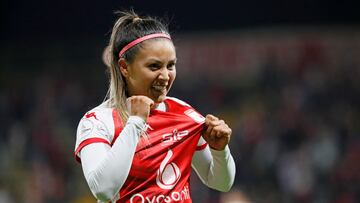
[[161, 167]]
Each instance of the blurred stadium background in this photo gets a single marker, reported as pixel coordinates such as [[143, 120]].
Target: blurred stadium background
[[284, 74]]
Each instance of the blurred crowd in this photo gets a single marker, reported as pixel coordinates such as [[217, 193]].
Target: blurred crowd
[[291, 99]]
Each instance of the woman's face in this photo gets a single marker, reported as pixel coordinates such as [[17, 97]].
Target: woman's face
[[152, 71]]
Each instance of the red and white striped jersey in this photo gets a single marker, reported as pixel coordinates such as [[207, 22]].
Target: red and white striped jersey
[[161, 167]]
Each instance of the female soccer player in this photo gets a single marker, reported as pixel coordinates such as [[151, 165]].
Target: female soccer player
[[140, 145]]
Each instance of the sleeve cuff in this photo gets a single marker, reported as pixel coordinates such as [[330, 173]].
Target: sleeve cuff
[[137, 120], [220, 153]]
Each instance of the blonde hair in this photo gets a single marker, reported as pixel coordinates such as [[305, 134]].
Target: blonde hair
[[127, 28]]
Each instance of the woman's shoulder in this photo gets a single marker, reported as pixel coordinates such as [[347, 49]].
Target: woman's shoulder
[[99, 112]]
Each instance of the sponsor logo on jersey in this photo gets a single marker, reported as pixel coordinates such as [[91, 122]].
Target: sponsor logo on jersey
[[86, 127], [91, 114], [174, 196], [174, 136], [168, 173]]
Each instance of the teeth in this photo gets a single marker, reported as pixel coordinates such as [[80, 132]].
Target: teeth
[[159, 88]]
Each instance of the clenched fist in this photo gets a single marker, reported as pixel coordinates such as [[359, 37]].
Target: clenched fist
[[139, 106], [216, 133]]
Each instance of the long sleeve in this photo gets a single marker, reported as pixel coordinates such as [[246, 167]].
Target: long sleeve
[[106, 168], [216, 169]]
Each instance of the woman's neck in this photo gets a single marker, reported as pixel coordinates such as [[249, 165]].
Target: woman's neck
[[160, 106]]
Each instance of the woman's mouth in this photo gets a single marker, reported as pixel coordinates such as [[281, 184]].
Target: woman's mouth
[[159, 88]]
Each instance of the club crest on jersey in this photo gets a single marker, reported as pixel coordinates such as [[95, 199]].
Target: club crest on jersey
[[168, 173], [195, 116]]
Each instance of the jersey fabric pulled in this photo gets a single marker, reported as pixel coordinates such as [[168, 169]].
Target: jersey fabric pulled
[[161, 166]]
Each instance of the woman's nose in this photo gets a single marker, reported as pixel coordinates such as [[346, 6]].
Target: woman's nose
[[164, 74]]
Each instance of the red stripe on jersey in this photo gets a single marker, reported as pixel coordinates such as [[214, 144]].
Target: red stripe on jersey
[[117, 125], [87, 142], [201, 147]]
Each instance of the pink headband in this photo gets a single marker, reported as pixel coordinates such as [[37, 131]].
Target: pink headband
[[141, 39]]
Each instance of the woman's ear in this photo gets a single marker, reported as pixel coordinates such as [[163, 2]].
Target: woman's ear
[[123, 67]]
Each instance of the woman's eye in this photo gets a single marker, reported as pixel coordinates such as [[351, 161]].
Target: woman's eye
[[154, 66], [171, 66]]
